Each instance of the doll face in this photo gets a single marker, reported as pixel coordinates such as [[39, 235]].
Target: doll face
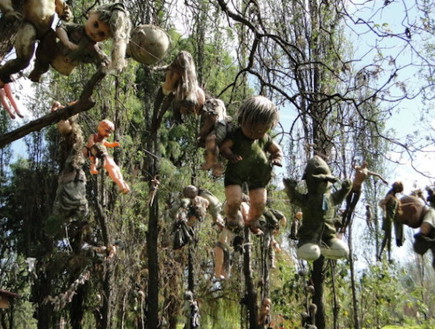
[[256, 131], [96, 29], [105, 130]]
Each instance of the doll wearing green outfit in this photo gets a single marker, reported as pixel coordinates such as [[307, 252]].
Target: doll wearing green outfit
[[251, 153]]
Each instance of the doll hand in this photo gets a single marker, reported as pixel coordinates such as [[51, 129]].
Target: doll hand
[[116, 144], [289, 183]]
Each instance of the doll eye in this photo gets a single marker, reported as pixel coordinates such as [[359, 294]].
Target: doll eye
[[102, 34], [96, 25]]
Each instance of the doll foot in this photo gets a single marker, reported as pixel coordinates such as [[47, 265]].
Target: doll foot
[[20, 115], [309, 251], [334, 249], [12, 116], [125, 189]]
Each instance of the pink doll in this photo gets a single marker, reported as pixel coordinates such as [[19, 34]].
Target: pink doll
[[5, 96], [96, 149]]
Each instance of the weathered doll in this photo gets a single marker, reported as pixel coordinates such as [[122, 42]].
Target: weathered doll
[[264, 318], [390, 206], [415, 214], [317, 234], [274, 220], [96, 150], [37, 17], [361, 174], [6, 98], [80, 43], [191, 309], [296, 223], [180, 87], [251, 153], [215, 126], [70, 202]]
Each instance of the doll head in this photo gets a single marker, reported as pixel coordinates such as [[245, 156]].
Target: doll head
[[105, 128], [411, 211], [111, 21], [318, 176], [190, 191], [257, 116]]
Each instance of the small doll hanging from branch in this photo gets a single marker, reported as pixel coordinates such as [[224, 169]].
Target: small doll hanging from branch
[[73, 44], [7, 100], [37, 17], [251, 153], [180, 88], [96, 150]]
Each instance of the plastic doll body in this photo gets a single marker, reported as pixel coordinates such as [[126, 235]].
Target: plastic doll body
[[96, 146], [80, 43], [251, 153], [6, 98], [361, 174], [38, 16], [317, 234]]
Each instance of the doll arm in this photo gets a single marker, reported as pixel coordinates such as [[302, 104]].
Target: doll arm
[[378, 175], [225, 150], [63, 37], [275, 154], [113, 144], [63, 10], [294, 196], [339, 195]]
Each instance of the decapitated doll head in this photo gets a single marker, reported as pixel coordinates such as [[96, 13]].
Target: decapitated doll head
[[96, 29], [105, 128], [411, 211], [257, 116]]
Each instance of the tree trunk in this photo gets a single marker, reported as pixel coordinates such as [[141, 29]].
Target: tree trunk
[[318, 278], [352, 281]]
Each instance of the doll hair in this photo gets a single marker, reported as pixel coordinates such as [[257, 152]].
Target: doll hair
[[188, 86], [107, 123], [258, 110], [116, 16]]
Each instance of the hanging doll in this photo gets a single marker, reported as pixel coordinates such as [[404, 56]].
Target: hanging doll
[[37, 17], [70, 202], [73, 44], [296, 223], [390, 206], [361, 174], [251, 153], [274, 219], [264, 318], [7, 97], [96, 150], [215, 126], [180, 87], [415, 214], [191, 309], [317, 234]]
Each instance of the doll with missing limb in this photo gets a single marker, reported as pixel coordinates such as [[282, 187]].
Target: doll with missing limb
[[251, 154], [96, 150], [317, 234], [215, 126], [73, 44], [361, 174], [415, 214], [37, 17], [180, 88], [6, 98], [390, 207]]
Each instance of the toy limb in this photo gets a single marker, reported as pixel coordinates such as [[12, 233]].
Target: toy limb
[[222, 255], [111, 145], [5, 104], [257, 198], [6, 94], [24, 47], [351, 201], [115, 174], [275, 154]]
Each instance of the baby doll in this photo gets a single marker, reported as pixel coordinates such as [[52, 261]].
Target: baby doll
[[361, 174], [5, 96], [38, 15], [264, 318], [181, 87], [96, 150], [80, 43], [215, 125], [247, 150], [390, 206], [317, 234]]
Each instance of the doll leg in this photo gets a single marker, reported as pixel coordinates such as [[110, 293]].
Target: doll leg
[[257, 199], [221, 254], [116, 175], [24, 48], [5, 103], [233, 195], [93, 165], [210, 154], [10, 96], [45, 54]]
